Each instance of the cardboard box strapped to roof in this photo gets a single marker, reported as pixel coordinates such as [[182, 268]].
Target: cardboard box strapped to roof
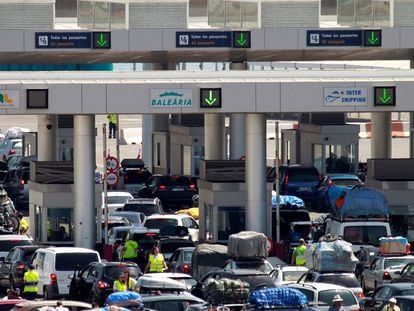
[[247, 244], [394, 245]]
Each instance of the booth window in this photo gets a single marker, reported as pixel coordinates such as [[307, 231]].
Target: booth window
[[60, 224], [230, 220]]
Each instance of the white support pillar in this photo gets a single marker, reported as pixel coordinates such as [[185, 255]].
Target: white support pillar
[[214, 136], [411, 137], [47, 138], [147, 140], [84, 181], [256, 206], [237, 124], [381, 135]]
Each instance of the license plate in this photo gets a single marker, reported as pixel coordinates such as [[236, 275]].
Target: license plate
[[177, 189]]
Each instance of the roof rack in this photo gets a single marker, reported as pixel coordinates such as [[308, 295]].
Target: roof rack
[[383, 218]]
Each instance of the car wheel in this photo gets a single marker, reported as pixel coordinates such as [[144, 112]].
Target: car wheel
[[47, 295]]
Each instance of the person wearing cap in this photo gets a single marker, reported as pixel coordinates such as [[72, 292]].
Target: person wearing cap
[[337, 304], [391, 305], [30, 279], [298, 256]]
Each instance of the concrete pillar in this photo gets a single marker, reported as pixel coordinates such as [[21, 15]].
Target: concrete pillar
[[147, 140], [214, 136], [256, 205], [381, 135], [411, 135], [84, 185], [237, 125], [47, 138]]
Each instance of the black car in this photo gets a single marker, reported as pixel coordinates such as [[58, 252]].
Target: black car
[[172, 190], [383, 293], [134, 174], [15, 183], [14, 265], [405, 303], [256, 279], [95, 282]]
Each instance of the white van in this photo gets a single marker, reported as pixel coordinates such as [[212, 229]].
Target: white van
[[55, 264]]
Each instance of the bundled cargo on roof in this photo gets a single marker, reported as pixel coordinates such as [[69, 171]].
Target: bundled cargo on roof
[[247, 244], [331, 254], [394, 245], [361, 202], [207, 257], [280, 296]]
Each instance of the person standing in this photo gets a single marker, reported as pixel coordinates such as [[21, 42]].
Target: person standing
[[392, 305], [337, 304], [112, 125], [298, 256], [124, 283], [156, 262], [23, 224], [30, 279], [130, 251]]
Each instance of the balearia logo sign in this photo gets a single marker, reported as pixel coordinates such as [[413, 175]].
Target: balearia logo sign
[[171, 98], [9, 99]]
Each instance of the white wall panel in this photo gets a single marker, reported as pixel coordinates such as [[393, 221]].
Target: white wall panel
[[65, 98], [14, 39], [91, 95], [268, 97], [145, 40], [281, 38]]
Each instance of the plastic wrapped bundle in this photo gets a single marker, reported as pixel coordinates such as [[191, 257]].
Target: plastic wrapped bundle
[[279, 296], [226, 291], [247, 244], [394, 245], [124, 299]]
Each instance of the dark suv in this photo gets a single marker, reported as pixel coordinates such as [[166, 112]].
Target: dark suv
[[298, 180], [172, 190], [134, 174]]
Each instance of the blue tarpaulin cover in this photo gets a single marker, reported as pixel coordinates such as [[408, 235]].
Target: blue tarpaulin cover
[[279, 296], [287, 200], [122, 298]]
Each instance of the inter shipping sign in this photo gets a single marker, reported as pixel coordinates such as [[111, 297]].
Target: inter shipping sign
[[345, 96], [171, 98]]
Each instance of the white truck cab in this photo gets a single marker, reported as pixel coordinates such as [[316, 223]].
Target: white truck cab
[[359, 232]]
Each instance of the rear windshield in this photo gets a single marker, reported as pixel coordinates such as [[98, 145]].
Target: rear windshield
[[326, 296], [160, 222], [28, 256], [6, 246], [176, 181], [70, 262], [257, 280], [113, 272], [397, 262], [345, 182], [137, 176], [364, 234], [118, 199], [146, 209], [292, 276], [170, 247], [343, 280], [303, 175], [258, 265]]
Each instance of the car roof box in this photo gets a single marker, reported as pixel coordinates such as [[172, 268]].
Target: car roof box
[[132, 163]]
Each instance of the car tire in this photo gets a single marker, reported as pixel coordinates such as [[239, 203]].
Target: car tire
[[47, 294]]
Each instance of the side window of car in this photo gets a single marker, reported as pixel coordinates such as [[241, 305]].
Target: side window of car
[[309, 277], [192, 223], [382, 294], [9, 257], [374, 264], [85, 273], [39, 260]]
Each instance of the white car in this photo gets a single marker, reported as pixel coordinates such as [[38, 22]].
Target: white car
[[156, 222], [283, 275], [116, 199], [320, 295], [184, 278]]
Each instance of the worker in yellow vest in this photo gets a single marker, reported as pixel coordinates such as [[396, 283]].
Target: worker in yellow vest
[[30, 278], [23, 224], [156, 262], [130, 251], [120, 285], [112, 125], [298, 256]]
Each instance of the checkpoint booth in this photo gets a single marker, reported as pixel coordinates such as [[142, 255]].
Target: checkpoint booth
[[222, 200], [52, 201]]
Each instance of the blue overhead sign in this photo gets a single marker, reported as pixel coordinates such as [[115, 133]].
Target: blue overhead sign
[[63, 40], [203, 39], [334, 38]]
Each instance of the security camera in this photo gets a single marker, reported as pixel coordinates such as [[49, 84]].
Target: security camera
[[49, 126]]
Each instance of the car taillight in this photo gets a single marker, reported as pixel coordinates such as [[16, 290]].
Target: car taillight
[[53, 279], [186, 269], [20, 266], [12, 151], [286, 180], [360, 295], [386, 276], [162, 187], [330, 184], [151, 234], [192, 187], [22, 184], [102, 285]]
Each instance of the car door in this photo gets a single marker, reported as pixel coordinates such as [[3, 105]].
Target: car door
[[378, 297], [7, 264], [173, 262], [79, 285], [370, 274]]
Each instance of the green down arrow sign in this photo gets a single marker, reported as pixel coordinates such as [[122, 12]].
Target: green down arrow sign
[[210, 98], [102, 40], [241, 39], [384, 95]]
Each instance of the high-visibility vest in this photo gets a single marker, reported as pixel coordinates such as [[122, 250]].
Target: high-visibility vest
[[119, 286], [130, 249], [300, 255], [31, 278], [156, 263], [23, 225], [112, 118]]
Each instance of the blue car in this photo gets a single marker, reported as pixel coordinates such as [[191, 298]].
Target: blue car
[[330, 187]]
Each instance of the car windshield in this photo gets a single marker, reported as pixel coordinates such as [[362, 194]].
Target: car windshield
[[396, 262], [78, 261], [343, 280], [27, 256], [326, 296], [345, 182], [118, 199], [6, 246], [292, 276], [263, 280], [136, 176], [364, 234], [113, 272], [158, 223], [176, 181], [146, 209], [303, 175], [308, 293]]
